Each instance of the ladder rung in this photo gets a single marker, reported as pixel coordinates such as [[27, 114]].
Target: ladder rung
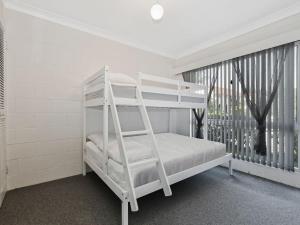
[[134, 133], [143, 162], [127, 101]]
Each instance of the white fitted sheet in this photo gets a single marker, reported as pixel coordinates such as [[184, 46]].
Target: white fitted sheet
[[135, 147], [178, 153]]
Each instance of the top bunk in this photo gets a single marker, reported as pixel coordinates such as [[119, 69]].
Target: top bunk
[[156, 91]]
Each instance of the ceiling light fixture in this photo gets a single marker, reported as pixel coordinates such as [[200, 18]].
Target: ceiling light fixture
[[157, 11]]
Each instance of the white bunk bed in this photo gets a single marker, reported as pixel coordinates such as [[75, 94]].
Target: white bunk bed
[[136, 163]]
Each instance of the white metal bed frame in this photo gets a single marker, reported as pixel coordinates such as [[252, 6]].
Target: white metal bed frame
[[100, 82]]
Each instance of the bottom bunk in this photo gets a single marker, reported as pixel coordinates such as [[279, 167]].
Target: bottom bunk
[[182, 157]]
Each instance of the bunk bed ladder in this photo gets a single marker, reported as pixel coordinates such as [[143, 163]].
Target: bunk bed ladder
[[160, 167], [138, 101]]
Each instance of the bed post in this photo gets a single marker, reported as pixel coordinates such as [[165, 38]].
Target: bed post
[[230, 167], [125, 211], [105, 118], [84, 134], [205, 116], [191, 122]]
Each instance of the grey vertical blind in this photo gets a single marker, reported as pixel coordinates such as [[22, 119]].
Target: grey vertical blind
[[297, 67], [230, 119], [1, 69], [2, 117], [2, 90]]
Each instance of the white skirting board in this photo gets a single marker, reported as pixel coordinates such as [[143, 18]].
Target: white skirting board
[[2, 195], [270, 173]]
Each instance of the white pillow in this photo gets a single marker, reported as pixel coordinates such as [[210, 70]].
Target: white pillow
[[97, 139]]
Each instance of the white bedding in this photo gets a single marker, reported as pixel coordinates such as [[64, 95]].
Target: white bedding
[[97, 139], [178, 153], [136, 150], [94, 154]]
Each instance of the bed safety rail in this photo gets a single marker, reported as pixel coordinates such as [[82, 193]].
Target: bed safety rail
[[156, 91], [164, 92]]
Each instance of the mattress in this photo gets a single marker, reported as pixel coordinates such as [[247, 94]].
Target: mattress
[[177, 152], [136, 148], [94, 154]]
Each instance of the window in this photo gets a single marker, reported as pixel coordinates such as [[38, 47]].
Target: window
[[243, 89]]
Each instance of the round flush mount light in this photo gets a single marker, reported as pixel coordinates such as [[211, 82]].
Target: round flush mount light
[[157, 11]]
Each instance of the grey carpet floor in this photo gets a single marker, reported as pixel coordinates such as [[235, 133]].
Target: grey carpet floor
[[210, 198]]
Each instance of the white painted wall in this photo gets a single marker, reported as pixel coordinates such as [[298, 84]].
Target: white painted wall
[[130, 119], [2, 165], [180, 121], [277, 33], [47, 64], [2, 139]]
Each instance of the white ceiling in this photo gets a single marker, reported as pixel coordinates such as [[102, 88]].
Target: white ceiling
[[187, 26]]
